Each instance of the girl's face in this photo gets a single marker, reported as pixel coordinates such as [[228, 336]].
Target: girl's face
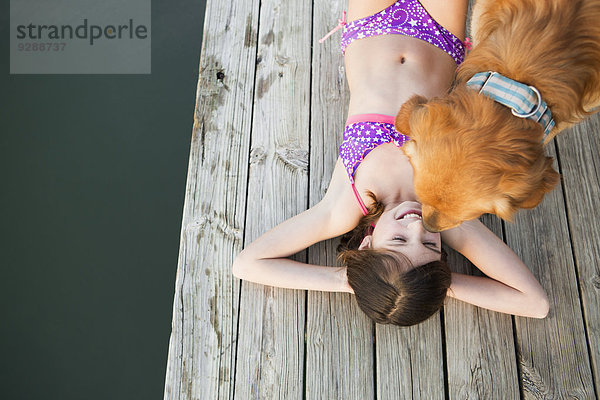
[[400, 229]]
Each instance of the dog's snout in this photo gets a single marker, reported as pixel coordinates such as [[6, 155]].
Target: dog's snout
[[430, 220], [429, 227]]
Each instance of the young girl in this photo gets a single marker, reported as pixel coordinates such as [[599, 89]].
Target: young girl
[[395, 267]]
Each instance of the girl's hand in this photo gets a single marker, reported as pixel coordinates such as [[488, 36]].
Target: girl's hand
[[346, 286]]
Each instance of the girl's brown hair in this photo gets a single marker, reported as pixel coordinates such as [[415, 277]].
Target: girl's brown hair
[[388, 288]]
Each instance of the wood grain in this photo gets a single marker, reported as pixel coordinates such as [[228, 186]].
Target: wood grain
[[270, 355], [554, 359], [339, 337], [270, 109], [410, 361], [202, 345], [480, 347], [578, 150]]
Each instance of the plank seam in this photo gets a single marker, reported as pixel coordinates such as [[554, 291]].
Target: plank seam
[[517, 357], [306, 253], [237, 327], [514, 331], [444, 355], [305, 345], [374, 333]]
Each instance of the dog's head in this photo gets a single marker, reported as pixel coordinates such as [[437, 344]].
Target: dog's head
[[471, 156]]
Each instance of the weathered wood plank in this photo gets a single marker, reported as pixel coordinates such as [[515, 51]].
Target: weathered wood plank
[[554, 360], [410, 361], [202, 344], [270, 354], [339, 349], [339, 337], [578, 151], [480, 349]]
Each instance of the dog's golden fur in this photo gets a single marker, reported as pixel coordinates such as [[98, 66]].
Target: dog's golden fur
[[470, 154]]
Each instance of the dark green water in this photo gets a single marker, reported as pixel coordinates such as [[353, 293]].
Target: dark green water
[[93, 181]]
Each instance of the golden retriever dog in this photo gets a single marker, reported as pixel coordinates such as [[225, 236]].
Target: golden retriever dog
[[470, 154]]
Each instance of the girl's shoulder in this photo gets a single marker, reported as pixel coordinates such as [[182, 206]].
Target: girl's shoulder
[[339, 203]]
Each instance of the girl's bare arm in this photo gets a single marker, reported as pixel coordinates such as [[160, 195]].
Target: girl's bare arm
[[508, 287], [265, 260]]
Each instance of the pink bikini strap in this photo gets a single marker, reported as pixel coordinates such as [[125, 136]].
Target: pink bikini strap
[[386, 119], [341, 23], [360, 202]]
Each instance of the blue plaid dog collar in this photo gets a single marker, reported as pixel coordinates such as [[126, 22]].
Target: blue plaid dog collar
[[523, 100]]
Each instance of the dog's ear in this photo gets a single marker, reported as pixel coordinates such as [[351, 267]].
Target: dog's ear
[[403, 117], [533, 200], [503, 207], [526, 191], [548, 180]]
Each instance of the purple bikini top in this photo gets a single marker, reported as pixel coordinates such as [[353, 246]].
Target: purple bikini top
[[362, 134], [404, 17]]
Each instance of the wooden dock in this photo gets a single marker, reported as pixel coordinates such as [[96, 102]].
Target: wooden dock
[[269, 115]]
